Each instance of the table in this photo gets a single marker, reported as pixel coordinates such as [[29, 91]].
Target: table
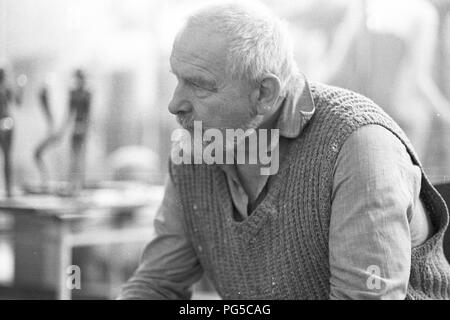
[[52, 219]]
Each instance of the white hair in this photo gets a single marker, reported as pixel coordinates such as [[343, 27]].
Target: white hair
[[259, 42]]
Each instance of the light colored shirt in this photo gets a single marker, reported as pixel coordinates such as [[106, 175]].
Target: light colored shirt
[[377, 217]]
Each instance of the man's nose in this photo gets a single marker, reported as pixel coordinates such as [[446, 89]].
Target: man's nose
[[179, 103]]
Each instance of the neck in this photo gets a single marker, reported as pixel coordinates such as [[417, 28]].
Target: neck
[[270, 122]]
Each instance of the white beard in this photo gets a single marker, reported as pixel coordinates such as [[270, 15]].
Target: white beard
[[184, 139]]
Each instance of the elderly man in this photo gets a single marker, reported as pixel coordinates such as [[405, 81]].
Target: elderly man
[[348, 214]]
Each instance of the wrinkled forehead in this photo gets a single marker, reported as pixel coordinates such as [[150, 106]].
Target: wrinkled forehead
[[200, 48]]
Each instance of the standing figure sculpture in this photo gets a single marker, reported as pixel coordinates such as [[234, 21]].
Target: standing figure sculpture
[[79, 110], [51, 138], [7, 96]]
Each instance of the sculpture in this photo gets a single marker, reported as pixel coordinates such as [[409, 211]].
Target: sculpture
[[7, 96], [79, 114]]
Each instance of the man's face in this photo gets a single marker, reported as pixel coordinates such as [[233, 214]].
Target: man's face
[[205, 92]]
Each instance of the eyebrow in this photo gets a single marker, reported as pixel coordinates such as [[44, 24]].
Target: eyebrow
[[201, 81], [198, 80]]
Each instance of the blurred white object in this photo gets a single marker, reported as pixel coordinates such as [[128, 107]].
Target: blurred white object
[[133, 163]]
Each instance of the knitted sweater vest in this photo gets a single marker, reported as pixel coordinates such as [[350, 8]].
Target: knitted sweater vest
[[281, 250]]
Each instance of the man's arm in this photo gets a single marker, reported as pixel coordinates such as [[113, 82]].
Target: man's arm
[[375, 196], [169, 266]]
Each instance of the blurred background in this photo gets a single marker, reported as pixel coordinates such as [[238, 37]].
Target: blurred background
[[396, 52]]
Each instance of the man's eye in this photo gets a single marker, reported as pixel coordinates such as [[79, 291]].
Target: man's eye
[[195, 85]]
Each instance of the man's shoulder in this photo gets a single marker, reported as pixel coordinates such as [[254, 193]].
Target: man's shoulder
[[328, 95], [344, 108], [341, 112]]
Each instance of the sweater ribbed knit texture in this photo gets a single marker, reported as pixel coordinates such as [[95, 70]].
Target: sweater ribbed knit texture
[[281, 250]]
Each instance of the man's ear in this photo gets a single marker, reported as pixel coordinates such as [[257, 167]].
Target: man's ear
[[266, 93]]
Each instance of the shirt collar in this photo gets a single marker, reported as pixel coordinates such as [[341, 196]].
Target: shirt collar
[[297, 109]]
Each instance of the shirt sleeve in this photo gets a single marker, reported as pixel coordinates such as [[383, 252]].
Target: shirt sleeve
[[374, 194], [169, 266]]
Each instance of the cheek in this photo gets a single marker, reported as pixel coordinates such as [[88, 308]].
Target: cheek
[[222, 112], [240, 111]]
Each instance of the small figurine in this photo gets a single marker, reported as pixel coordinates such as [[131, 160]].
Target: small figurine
[[79, 112], [7, 96], [51, 138]]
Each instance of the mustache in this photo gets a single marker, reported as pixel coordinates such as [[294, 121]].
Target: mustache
[[186, 121]]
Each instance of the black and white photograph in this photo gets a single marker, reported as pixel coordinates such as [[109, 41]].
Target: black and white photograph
[[214, 151]]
